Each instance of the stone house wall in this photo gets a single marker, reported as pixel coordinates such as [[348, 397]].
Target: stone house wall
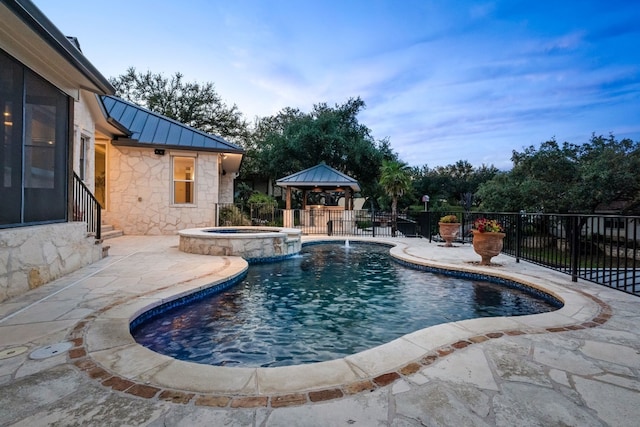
[[139, 194], [226, 188], [33, 256], [84, 125]]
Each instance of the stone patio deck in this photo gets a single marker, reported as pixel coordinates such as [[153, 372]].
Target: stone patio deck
[[578, 366]]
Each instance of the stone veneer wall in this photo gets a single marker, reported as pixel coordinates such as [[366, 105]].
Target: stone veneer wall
[[270, 243], [84, 125], [139, 191], [225, 193], [33, 256]]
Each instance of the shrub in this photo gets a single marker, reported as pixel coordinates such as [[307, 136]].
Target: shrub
[[232, 215], [450, 219]]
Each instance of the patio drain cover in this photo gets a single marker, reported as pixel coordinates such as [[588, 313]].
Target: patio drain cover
[[50, 350], [11, 352]]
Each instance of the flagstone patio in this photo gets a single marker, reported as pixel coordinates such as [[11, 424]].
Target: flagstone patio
[[579, 365]]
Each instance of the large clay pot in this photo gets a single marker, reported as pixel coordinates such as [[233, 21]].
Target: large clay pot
[[449, 231], [487, 245]]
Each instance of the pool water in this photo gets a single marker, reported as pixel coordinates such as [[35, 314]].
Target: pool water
[[237, 231], [329, 302]]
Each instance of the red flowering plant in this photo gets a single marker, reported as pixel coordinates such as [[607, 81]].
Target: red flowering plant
[[484, 225]]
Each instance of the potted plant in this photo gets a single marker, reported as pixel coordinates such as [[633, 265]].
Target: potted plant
[[449, 228], [488, 235]]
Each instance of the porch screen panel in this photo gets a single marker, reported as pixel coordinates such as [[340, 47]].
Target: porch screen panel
[[45, 151], [11, 90]]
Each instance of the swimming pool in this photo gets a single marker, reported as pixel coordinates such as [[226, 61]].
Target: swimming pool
[[327, 303]]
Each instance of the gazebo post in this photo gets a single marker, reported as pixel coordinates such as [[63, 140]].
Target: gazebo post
[[287, 219]]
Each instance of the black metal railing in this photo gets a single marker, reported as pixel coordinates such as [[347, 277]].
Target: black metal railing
[[332, 222], [599, 248], [236, 214], [86, 207]]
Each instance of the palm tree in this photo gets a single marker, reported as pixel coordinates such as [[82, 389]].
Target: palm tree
[[395, 181]]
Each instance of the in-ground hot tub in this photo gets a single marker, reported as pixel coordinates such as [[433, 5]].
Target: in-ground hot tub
[[255, 244]]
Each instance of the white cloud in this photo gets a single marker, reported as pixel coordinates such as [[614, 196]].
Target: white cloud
[[470, 81]]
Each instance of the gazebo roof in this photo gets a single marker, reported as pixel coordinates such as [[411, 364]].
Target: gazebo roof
[[322, 176]]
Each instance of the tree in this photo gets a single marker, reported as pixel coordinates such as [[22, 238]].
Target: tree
[[395, 179], [243, 193], [453, 182], [194, 104], [567, 178], [608, 172], [292, 141]]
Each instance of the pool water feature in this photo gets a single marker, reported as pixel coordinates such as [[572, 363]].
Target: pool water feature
[[330, 301]]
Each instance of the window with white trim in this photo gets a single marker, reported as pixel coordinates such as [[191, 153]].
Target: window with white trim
[[184, 182]]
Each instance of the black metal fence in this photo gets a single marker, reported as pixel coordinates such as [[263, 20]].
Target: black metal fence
[[86, 207], [332, 222], [599, 248], [604, 249]]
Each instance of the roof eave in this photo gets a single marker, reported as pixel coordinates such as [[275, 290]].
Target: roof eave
[[37, 22], [324, 184], [128, 142]]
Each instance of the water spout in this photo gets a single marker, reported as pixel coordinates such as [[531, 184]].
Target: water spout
[[346, 243]]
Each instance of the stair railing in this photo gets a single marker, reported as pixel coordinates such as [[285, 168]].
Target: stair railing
[[86, 207]]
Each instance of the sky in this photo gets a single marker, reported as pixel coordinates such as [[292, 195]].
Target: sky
[[443, 80]]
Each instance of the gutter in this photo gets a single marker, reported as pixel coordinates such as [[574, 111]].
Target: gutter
[[41, 25]]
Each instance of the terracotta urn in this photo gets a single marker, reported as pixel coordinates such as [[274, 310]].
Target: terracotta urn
[[487, 245], [449, 231]]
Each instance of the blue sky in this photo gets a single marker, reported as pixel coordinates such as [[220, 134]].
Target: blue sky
[[444, 80]]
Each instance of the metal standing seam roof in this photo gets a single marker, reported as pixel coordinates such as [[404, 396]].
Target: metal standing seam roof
[[156, 130], [321, 175]]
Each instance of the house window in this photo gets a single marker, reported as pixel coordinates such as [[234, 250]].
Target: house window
[[184, 180], [34, 137], [82, 167]]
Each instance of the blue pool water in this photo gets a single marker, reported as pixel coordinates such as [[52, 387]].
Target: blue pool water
[[329, 302], [237, 231]]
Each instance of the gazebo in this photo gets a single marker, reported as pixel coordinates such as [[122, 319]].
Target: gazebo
[[321, 187]]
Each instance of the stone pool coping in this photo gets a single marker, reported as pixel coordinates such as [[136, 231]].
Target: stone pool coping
[[105, 350]]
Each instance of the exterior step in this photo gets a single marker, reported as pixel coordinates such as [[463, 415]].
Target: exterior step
[[107, 231], [111, 234]]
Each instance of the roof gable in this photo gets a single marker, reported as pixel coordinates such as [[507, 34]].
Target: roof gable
[[155, 130]]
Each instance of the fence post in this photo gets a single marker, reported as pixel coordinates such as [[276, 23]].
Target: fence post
[[575, 253], [518, 236], [373, 222]]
